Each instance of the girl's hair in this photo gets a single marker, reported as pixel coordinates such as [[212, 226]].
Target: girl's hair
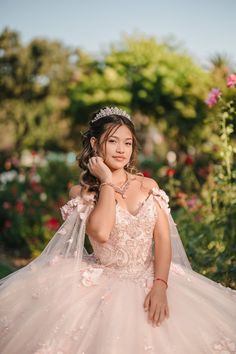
[[97, 128]]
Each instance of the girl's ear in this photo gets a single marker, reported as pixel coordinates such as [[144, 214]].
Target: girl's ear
[[93, 142]]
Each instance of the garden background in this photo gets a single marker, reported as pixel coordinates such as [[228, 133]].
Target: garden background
[[183, 108]]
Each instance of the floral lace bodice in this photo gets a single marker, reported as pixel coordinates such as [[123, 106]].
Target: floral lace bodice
[[129, 247]]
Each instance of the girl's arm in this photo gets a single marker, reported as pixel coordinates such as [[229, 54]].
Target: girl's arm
[[102, 218], [162, 247]]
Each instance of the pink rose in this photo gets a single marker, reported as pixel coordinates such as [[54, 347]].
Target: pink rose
[[213, 97], [231, 80], [6, 205]]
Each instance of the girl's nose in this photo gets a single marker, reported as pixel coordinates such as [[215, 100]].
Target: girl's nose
[[120, 148]]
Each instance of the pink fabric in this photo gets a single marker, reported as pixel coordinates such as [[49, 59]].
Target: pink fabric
[[107, 316]]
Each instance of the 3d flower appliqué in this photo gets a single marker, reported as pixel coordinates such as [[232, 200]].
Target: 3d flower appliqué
[[91, 276], [79, 203], [162, 198]]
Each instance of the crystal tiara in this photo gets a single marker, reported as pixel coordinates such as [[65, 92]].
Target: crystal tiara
[[107, 111]]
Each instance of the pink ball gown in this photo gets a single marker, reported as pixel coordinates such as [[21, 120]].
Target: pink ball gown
[[95, 306]]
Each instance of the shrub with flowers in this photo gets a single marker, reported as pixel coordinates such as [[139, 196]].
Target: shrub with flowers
[[202, 190], [30, 198], [207, 220]]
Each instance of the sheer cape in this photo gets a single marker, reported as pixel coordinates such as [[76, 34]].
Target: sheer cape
[[68, 242]]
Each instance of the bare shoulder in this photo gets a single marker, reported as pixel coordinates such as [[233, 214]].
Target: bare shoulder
[[78, 190], [75, 191], [148, 182]]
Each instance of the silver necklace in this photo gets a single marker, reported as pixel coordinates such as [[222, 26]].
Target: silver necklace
[[124, 187]]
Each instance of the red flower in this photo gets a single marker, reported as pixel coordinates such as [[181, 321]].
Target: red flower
[[188, 160], [203, 171], [36, 187], [52, 224], [34, 153], [14, 190], [7, 224], [147, 173], [170, 172], [20, 206], [231, 80]]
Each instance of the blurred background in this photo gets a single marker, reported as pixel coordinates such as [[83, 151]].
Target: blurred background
[[170, 64]]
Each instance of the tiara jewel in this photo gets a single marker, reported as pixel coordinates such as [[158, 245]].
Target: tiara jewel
[[107, 111]]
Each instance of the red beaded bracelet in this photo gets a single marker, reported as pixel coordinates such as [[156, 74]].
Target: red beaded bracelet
[[163, 281]]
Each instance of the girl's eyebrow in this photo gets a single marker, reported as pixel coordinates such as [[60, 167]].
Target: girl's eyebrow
[[114, 136]]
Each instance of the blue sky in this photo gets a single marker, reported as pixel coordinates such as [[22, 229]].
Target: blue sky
[[202, 27]]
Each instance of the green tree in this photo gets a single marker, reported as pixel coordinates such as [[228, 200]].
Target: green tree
[[34, 81], [147, 78]]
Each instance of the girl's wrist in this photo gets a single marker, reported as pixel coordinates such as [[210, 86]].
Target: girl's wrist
[[160, 282], [106, 180]]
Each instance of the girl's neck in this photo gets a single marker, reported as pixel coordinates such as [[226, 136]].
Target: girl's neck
[[119, 176]]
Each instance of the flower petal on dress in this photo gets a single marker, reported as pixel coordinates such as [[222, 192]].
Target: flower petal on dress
[[91, 276]]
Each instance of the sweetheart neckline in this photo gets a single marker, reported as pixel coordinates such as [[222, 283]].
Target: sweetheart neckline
[[139, 208]]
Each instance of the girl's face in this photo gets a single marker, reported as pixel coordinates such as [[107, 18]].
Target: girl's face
[[119, 147]]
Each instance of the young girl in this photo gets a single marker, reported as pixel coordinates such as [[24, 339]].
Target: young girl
[[136, 293]]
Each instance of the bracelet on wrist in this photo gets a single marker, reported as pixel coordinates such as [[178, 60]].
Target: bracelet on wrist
[[106, 183], [162, 281]]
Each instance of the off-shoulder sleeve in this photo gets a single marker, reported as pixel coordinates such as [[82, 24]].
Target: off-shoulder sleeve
[[79, 203], [162, 198]]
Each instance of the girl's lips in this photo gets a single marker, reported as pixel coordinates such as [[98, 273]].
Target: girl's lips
[[119, 158]]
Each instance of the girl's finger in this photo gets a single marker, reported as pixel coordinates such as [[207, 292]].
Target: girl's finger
[[146, 302], [161, 316], [156, 316], [152, 311], [167, 311], [93, 160]]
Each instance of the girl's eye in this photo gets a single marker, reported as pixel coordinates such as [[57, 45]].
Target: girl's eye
[[113, 141]]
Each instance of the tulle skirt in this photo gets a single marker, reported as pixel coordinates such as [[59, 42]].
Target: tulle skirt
[[106, 315]]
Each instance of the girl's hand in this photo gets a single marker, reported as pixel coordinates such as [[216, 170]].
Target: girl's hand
[[99, 169], [156, 303]]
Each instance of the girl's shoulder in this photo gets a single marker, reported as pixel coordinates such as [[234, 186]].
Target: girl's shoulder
[[78, 191], [147, 183]]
